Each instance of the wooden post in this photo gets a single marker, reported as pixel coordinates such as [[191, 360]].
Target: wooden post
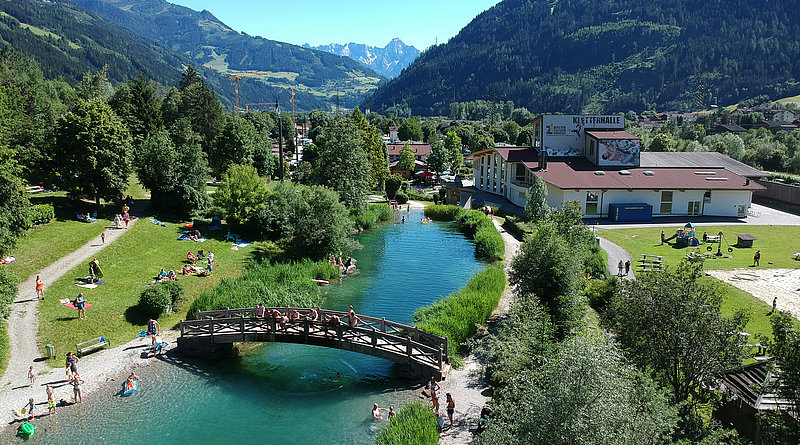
[[383, 324], [305, 330], [241, 327], [374, 341], [440, 359], [198, 315], [408, 349], [416, 334], [446, 352], [211, 328]]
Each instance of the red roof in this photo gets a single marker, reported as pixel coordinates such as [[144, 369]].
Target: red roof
[[611, 134], [580, 174], [418, 149], [510, 153]]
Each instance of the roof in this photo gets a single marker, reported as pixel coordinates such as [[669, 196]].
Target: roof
[[418, 164], [419, 149], [611, 134], [733, 128], [578, 173], [740, 384], [698, 159], [510, 153]]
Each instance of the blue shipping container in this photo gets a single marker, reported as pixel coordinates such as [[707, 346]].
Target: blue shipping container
[[630, 212]]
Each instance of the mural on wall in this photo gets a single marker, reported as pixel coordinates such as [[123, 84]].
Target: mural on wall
[[563, 135], [619, 152]]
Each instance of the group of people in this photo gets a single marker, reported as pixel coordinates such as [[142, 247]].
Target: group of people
[[74, 377], [624, 267], [433, 390], [165, 276]]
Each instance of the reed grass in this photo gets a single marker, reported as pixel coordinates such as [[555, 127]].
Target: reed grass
[[414, 425]]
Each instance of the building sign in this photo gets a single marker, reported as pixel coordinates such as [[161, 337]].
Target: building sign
[[563, 135], [619, 152]]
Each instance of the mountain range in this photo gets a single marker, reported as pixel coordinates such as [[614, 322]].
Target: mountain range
[[597, 56], [388, 61]]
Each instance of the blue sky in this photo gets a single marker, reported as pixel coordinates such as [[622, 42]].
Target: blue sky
[[319, 22]]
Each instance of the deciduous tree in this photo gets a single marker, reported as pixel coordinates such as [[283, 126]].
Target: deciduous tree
[[406, 160]]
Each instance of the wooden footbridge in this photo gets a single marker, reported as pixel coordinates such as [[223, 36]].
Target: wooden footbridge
[[213, 331]]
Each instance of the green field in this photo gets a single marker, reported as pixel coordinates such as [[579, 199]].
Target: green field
[[129, 264], [774, 242]]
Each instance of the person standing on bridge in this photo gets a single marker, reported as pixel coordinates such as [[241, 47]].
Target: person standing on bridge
[[260, 313], [352, 319]]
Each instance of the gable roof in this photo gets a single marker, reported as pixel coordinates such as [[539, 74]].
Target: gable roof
[[610, 134], [740, 383], [418, 148]]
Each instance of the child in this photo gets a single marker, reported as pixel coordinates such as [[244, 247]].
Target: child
[[32, 376], [76, 389], [51, 401], [31, 408]]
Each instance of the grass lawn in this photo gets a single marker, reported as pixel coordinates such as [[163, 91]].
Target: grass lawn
[[135, 190], [773, 242], [128, 266], [43, 245]]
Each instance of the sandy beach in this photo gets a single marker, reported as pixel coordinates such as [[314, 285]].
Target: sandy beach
[[766, 284]]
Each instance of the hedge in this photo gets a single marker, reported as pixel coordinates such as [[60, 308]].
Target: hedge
[[41, 214], [415, 425], [475, 224]]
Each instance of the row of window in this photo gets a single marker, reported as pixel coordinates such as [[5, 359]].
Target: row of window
[[693, 207]]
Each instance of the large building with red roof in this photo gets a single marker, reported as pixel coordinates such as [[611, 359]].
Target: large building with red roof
[[594, 161]]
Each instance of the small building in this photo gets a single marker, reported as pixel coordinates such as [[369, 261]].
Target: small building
[[592, 160], [729, 128], [421, 151], [393, 134], [408, 175], [744, 396]]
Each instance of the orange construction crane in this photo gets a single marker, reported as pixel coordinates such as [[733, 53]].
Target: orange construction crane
[[237, 77]]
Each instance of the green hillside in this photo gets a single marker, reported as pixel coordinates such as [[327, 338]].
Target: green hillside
[[316, 76], [608, 55], [68, 41]]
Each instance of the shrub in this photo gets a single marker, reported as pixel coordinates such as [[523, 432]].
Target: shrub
[[599, 292], [457, 315], [277, 285], [364, 219], [382, 211], [442, 212], [8, 290], [415, 425], [401, 197], [41, 214], [419, 196], [393, 184], [174, 290], [489, 243], [155, 300], [517, 227]]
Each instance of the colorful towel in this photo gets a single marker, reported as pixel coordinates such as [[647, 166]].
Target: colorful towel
[[71, 305], [87, 279], [157, 222]]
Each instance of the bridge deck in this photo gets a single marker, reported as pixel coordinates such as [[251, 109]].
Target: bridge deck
[[367, 335]]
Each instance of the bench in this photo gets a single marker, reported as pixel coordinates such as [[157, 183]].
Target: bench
[[713, 239], [658, 257], [91, 345]]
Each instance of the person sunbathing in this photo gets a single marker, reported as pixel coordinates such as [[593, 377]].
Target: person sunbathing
[[190, 256]]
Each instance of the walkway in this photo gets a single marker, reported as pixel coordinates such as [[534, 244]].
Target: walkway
[[425, 353], [615, 255], [23, 322], [466, 385]]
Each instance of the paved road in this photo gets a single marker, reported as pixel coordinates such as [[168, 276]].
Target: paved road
[[615, 254]]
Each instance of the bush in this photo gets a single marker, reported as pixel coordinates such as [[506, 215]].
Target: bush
[[8, 290], [155, 300], [382, 211], [174, 290], [489, 243], [442, 212], [364, 219], [41, 214], [419, 196], [599, 292], [457, 315], [401, 197], [276, 285], [517, 227], [393, 184], [415, 425]]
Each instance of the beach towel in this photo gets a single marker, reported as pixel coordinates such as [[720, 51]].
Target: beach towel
[[71, 305], [64, 300], [98, 282], [7, 260], [157, 222], [86, 285]]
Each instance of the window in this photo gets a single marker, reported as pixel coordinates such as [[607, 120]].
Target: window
[[707, 196], [666, 202], [592, 197], [694, 208]]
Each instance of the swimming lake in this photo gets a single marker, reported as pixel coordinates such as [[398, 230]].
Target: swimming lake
[[284, 393]]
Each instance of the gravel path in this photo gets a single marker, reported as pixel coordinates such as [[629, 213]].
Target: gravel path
[[466, 385], [23, 325], [615, 254]]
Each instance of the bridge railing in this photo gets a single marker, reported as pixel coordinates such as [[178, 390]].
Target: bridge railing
[[365, 321], [378, 333]]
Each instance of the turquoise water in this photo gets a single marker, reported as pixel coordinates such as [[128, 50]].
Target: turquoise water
[[283, 393]]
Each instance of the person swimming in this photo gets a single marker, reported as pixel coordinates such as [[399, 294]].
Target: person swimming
[[337, 376], [376, 411]]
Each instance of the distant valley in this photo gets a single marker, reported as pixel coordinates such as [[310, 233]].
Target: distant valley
[[388, 61]]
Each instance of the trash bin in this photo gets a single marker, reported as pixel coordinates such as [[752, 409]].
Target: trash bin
[[51, 351]]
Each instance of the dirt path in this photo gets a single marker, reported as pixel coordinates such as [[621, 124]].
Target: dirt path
[[23, 322], [615, 255], [466, 385]]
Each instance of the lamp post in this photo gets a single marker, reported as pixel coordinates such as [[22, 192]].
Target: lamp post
[[280, 140]]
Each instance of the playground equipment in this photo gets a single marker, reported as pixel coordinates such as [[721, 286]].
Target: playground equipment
[[684, 237], [719, 239]]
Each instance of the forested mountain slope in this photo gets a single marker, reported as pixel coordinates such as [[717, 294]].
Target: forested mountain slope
[[388, 61], [68, 41], [608, 55], [316, 76]]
